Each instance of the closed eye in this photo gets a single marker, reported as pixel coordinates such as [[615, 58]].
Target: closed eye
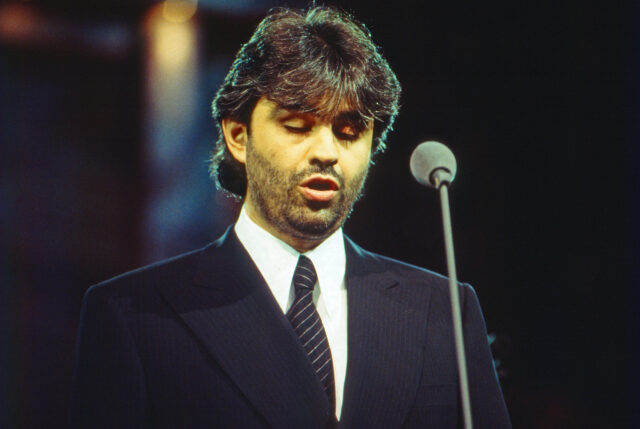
[[298, 130], [347, 132]]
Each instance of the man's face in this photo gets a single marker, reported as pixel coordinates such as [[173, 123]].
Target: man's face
[[304, 172]]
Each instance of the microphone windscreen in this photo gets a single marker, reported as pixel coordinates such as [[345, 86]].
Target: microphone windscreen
[[430, 156]]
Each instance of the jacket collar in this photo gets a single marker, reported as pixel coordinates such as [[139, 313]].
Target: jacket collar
[[385, 343], [230, 309]]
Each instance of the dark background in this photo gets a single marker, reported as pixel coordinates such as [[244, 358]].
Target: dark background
[[538, 100]]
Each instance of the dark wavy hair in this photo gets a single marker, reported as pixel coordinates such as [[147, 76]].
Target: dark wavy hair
[[318, 61]]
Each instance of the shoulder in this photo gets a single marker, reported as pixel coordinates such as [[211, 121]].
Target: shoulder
[[174, 271], [362, 262]]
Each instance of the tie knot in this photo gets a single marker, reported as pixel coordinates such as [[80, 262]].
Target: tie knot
[[305, 275]]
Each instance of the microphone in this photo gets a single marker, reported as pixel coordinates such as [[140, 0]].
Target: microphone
[[433, 164]]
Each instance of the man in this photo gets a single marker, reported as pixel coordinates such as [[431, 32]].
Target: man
[[283, 322]]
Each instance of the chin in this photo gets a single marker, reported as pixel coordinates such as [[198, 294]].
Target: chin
[[314, 227]]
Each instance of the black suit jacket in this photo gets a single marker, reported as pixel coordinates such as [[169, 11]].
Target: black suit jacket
[[198, 341]]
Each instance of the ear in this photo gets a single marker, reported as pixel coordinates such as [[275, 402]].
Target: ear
[[235, 136]]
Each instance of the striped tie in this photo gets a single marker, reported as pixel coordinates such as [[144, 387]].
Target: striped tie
[[306, 322]]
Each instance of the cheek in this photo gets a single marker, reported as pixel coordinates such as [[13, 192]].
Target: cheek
[[356, 163], [279, 152], [269, 167]]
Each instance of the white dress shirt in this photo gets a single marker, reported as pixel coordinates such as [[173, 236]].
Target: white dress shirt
[[277, 261]]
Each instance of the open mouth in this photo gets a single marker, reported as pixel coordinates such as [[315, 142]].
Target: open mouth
[[319, 188], [321, 184]]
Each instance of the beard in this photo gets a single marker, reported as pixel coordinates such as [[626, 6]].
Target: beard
[[276, 196]]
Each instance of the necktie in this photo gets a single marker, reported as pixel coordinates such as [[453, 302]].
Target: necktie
[[306, 322]]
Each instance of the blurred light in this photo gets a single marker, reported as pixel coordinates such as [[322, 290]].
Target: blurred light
[[23, 25], [171, 86], [172, 44], [179, 10], [240, 7], [18, 21], [172, 109]]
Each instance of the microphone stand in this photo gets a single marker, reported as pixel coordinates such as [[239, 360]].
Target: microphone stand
[[442, 185]]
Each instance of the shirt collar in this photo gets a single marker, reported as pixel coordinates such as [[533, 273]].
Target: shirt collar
[[276, 261]]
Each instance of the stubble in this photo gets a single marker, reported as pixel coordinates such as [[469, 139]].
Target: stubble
[[276, 196]]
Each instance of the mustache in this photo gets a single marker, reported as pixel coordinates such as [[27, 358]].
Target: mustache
[[318, 169]]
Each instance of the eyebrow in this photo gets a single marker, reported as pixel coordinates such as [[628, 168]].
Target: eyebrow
[[351, 116], [355, 118], [279, 110], [276, 111]]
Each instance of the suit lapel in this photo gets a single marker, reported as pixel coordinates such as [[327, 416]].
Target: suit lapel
[[232, 311], [385, 345]]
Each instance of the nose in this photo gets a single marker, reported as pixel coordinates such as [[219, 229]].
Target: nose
[[324, 147]]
